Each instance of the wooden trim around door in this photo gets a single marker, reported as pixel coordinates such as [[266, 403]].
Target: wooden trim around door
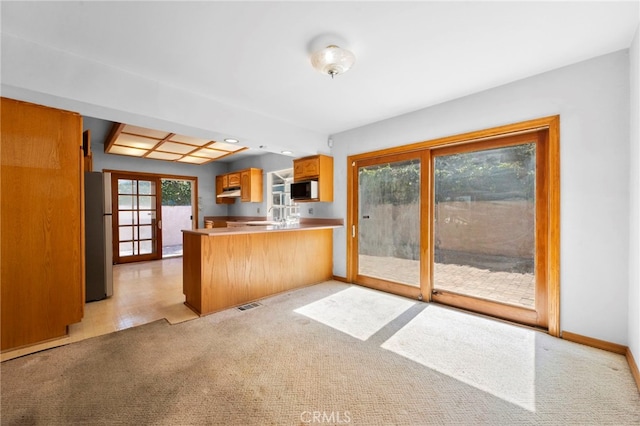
[[551, 125]]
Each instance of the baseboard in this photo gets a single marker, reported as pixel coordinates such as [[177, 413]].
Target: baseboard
[[634, 368], [607, 346], [595, 343], [341, 279]]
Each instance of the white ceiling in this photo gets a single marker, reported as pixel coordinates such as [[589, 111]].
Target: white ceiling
[[253, 56]]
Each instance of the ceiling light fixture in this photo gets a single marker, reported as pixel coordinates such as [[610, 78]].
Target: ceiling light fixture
[[286, 152], [332, 60], [230, 140]]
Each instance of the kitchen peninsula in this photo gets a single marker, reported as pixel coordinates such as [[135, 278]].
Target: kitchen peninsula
[[226, 267]]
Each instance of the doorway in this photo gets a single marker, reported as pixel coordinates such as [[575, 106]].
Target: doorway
[[387, 244], [140, 203], [177, 213], [137, 218], [469, 221]]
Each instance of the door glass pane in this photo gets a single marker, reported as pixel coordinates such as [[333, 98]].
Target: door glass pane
[[126, 202], [126, 249], [146, 187], [389, 221], [126, 186], [146, 201], [146, 247], [484, 224], [126, 217], [126, 233], [146, 217], [145, 232]]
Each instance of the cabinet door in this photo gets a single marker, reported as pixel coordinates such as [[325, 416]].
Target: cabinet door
[[251, 185], [219, 188], [225, 181], [306, 168], [245, 185], [234, 180], [42, 219]]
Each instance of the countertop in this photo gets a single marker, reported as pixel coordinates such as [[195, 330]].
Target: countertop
[[237, 230]]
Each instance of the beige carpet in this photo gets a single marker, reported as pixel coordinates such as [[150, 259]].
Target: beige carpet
[[371, 359]]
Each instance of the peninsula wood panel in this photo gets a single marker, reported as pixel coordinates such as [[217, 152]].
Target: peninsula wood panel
[[42, 223], [228, 270]]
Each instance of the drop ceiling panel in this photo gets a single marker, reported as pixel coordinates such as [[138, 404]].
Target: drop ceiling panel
[[189, 140], [160, 145], [156, 134], [123, 150], [194, 160], [163, 156], [209, 153], [175, 147], [136, 141], [225, 146]]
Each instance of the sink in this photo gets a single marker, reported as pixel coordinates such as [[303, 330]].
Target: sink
[[262, 223]]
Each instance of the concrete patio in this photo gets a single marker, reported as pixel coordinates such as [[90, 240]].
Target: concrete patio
[[507, 287]]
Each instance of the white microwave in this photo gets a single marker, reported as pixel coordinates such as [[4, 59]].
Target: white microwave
[[307, 190]]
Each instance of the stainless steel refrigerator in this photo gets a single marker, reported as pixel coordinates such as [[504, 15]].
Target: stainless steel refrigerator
[[98, 236]]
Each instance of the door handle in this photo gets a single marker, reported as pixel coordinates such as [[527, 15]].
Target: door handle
[[159, 224]]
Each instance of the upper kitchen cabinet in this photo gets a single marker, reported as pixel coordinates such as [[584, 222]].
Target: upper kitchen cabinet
[[221, 185], [42, 277], [244, 184], [251, 186], [318, 168]]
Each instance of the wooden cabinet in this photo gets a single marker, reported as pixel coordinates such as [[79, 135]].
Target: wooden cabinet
[[220, 185], [249, 181], [319, 168], [251, 186], [306, 168], [233, 180], [42, 223]]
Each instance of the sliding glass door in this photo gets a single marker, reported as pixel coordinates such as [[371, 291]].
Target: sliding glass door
[[470, 221], [486, 217], [388, 223]]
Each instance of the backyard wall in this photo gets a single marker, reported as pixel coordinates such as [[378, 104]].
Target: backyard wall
[[494, 228], [174, 220]]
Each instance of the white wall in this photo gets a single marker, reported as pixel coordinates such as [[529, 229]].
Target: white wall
[[634, 198], [592, 99]]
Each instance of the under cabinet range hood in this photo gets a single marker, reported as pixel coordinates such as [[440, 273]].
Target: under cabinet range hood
[[230, 193]]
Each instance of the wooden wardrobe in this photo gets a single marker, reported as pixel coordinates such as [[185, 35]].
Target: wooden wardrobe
[[41, 228]]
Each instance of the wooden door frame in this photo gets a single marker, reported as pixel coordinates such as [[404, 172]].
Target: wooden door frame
[[157, 254], [160, 176], [353, 223], [551, 125]]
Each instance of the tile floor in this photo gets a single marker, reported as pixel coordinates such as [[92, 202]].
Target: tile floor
[[142, 293]]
